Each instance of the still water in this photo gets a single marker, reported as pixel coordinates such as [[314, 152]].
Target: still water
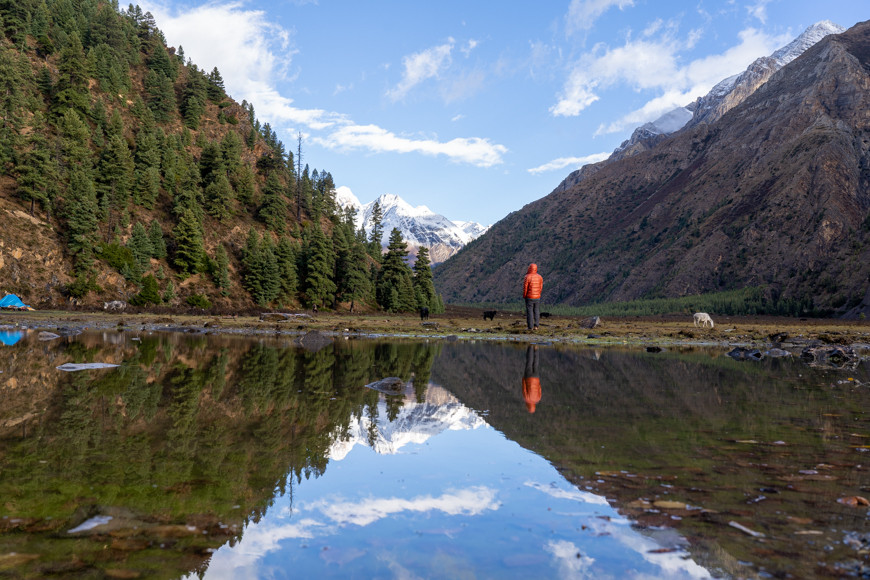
[[166, 455]]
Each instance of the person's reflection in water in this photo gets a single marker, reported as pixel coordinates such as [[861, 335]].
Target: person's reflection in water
[[531, 381]]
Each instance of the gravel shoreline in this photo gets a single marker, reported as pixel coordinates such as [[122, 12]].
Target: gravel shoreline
[[665, 331]]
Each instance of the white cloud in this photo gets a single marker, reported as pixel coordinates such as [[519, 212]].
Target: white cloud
[[469, 502], [250, 51], [652, 109], [339, 88], [474, 150], [258, 541], [421, 66], [469, 46], [653, 64], [570, 560], [572, 494], [582, 14], [759, 10], [253, 53], [642, 64], [563, 162]]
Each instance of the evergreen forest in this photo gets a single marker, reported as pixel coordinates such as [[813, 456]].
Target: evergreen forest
[[157, 188]]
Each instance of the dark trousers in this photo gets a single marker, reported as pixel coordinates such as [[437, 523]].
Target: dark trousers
[[533, 312], [531, 362]]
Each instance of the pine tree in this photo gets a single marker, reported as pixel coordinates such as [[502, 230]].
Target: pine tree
[[146, 186], [37, 178], [424, 286], [377, 234], [13, 20], [160, 96], [147, 153], [251, 258], [244, 185], [158, 60], [72, 82], [215, 86], [351, 272], [189, 247], [270, 275], [110, 70], [231, 152], [222, 270], [395, 292], [260, 269], [193, 97], [45, 82], [219, 198], [150, 293], [319, 264], [75, 143], [155, 236], [11, 103], [115, 180], [81, 218], [106, 29], [274, 209], [357, 286], [286, 255], [140, 246]]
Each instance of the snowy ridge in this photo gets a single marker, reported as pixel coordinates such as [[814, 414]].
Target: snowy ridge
[[417, 422], [419, 225], [810, 36], [728, 92]]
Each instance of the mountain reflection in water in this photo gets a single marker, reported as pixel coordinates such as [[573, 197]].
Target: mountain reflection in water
[[230, 457]]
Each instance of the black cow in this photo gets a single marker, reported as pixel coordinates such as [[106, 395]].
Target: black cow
[[545, 315], [424, 313], [489, 314]]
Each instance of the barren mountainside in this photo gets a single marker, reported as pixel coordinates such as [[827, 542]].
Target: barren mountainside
[[775, 193]]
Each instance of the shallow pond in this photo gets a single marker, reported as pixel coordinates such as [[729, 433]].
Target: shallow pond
[[167, 455]]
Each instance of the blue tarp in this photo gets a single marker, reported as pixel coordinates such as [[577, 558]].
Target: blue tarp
[[12, 301], [10, 337]]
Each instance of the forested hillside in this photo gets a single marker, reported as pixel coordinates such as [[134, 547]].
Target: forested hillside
[[128, 173]]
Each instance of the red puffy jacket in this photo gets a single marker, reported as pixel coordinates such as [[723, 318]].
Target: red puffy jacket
[[531, 392], [532, 283]]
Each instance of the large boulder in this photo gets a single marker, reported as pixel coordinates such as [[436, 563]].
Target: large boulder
[[830, 356]]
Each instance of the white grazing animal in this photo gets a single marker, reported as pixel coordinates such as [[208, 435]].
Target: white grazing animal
[[702, 318]]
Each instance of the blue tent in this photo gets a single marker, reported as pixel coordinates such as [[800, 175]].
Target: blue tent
[[12, 301], [10, 337]]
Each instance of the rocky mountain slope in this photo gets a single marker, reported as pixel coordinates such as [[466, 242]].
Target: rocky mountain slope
[[775, 193], [723, 97], [419, 225]]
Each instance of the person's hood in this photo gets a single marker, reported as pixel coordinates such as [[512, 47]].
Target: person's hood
[[533, 269]]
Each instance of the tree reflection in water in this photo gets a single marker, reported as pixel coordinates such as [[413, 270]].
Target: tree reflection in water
[[191, 440], [183, 444]]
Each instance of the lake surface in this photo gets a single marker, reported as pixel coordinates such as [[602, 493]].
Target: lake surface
[[172, 455]]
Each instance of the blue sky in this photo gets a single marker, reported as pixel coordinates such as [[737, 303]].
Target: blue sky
[[474, 109]]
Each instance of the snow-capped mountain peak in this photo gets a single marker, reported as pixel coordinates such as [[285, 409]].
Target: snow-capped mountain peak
[[420, 226], [808, 38], [416, 422], [344, 197]]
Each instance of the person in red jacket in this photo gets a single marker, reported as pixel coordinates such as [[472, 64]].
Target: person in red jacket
[[533, 283], [531, 380]]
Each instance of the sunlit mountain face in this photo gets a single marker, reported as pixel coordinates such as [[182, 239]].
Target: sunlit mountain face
[[419, 225]]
